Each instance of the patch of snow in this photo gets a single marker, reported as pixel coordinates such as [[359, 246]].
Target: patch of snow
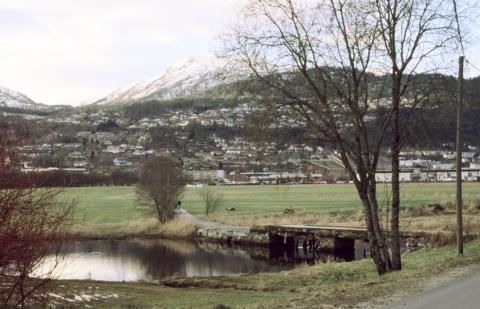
[[80, 298], [182, 78], [62, 298], [14, 99]]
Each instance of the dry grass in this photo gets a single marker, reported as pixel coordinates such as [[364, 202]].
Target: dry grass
[[426, 218], [178, 228]]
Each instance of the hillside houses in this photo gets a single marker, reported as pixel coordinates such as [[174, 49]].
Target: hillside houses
[[210, 139], [114, 149], [471, 173], [122, 162]]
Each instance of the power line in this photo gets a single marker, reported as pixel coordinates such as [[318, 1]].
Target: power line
[[472, 65]]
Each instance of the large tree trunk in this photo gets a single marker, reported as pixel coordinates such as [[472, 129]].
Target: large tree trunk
[[381, 236], [395, 154], [377, 244]]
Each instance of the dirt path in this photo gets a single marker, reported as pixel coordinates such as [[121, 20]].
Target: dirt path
[[204, 224]]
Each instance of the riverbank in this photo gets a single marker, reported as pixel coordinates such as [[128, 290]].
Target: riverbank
[[178, 228], [350, 285]]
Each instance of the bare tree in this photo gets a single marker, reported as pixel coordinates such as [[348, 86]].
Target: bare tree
[[412, 33], [211, 198], [317, 59], [160, 185], [34, 223]]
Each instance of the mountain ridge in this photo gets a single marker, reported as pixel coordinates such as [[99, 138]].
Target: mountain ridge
[[187, 77], [14, 99]]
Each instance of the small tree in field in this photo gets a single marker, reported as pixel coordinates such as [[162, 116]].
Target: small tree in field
[[211, 199], [34, 223], [161, 183]]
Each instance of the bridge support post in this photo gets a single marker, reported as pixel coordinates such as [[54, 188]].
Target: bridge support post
[[344, 247]]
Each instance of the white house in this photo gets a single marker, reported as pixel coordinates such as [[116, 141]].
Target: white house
[[80, 164], [114, 149], [386, 176], [443, 166], [207, 175], [121, 162]]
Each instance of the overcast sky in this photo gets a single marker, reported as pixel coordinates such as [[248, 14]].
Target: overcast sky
[[70, 51]]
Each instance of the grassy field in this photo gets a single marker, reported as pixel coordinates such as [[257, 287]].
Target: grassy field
[[115, 209], [321, 286]]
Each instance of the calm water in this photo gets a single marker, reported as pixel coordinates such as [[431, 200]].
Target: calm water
[[149, 260]]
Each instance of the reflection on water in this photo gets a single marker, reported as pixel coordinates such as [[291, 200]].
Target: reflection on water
[[149, 260]]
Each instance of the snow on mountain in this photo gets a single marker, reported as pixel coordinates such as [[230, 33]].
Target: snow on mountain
[[14, 99], [187, 77]]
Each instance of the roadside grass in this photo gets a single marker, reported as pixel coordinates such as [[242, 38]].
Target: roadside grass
[[322, 285], [113, 211]]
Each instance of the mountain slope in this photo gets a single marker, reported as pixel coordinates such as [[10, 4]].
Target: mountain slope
[[14, 99], [194, 75]]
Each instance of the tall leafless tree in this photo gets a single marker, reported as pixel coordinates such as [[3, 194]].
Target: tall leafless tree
[[160, 185], [412, 33], [34, 223], [318, 59]]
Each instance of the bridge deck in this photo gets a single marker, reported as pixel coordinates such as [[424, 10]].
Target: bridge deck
[[320, 231]]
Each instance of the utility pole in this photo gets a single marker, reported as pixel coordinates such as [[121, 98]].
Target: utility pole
[[459, 155]]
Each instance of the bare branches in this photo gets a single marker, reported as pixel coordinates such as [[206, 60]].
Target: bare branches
[[412, 32], [316, 59], [160, 185], [319, 59], [34, 223], [211, 198], [415, 31]]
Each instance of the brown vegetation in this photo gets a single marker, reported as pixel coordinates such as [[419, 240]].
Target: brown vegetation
[[34, 223], [143, 228], [161, 183], [436, 220], [211, 199]]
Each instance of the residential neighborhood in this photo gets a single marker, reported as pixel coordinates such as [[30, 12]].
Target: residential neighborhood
[[103, 141]]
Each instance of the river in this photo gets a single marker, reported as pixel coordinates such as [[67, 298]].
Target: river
[[154, 259]]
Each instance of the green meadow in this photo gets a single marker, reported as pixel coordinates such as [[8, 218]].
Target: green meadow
[[104, 206]]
